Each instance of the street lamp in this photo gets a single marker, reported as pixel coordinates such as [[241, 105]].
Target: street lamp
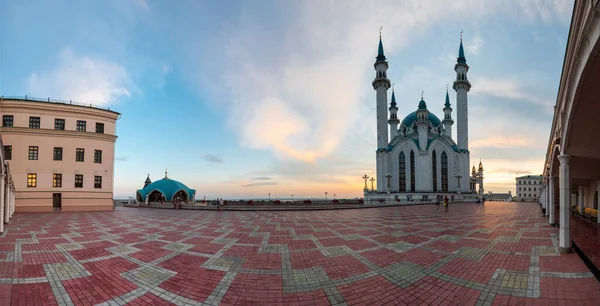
[[269, 197], [292, 198], [334, 196], [325, 195], [372, 180], [365, 177], [389, 176]]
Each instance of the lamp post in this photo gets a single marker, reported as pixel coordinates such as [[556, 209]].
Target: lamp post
[[458, 177], [269, 197], [372, 180], [292, 198], [389, 176], [325, 196], [365, 177], [334, 196]]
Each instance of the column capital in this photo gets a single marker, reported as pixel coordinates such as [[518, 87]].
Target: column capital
[[564, 159]]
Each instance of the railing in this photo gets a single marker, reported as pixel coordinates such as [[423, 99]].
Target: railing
[[48, 100]]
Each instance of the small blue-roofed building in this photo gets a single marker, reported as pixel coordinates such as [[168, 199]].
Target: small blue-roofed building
[[165, 189]]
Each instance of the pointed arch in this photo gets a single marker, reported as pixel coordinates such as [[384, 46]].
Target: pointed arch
[[402, 172], [444, 171], [434, 170], [156, 196], [412, 171]]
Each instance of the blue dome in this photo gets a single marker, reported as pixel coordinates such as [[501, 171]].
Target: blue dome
[[412, 117], [168, 188]]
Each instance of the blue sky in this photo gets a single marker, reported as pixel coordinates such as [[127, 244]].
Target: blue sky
[[244, 98]]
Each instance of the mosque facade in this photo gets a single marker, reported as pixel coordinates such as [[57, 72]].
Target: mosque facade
[[416, 157]]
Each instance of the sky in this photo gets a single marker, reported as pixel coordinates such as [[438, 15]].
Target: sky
[[239, 99]]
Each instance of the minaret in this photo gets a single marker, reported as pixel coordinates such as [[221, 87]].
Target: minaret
[[448, 122], [381, 84], [422, 124], [393, 121], [480, 175], [166, 177], [462, 87]]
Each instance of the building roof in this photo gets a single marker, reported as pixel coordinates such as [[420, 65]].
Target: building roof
[[539, 177], [412, 117], [167, 187], [380, 55], [49, 101], [461, 52]]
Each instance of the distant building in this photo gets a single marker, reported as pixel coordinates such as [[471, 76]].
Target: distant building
[[61, 154], [528, 188], [499, 197], [165, 189]]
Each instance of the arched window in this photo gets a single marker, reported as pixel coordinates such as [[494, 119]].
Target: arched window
[[444, 172], [402, 172], [412, 171], [434, 170]]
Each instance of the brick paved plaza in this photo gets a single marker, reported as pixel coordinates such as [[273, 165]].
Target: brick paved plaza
[[500, 253]]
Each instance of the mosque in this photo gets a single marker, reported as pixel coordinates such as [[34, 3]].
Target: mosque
[[165, 189], [420, 159]]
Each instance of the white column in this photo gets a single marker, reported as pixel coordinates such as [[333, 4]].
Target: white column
[[2, 202], [551, 203], [580, 199], [565, 207], [7, 205]]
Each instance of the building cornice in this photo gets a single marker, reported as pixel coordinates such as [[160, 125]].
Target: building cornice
[[84, 111], [57, 133]]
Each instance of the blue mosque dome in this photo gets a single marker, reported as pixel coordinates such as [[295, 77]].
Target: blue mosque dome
[[412, 117], [169, 188]]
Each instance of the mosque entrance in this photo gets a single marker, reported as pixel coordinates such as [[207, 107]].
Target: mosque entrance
[[181, 195], [57, 201]]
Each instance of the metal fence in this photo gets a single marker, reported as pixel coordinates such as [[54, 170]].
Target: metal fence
[[48, 100]]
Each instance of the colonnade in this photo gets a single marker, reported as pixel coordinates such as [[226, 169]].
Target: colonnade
[[7, 200]]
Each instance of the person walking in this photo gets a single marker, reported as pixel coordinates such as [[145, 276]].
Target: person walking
[[437, 202], [446, 203]]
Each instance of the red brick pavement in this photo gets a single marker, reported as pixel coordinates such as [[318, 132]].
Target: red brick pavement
[[385, 256]]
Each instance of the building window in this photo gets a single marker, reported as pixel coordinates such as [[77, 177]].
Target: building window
[[519, 188], [33, 153], [434, 170], [8, 120], [444, 172], [534, 189], [78, 180], [80, 126], [31, 179], [412, 171], [98, 156], [57, 155], [7, 152], [97, 182], [529, 189], [79, 155], [59, 124], [34, 122], [99, 128], [519, 195], [57, 180], [402, 172]]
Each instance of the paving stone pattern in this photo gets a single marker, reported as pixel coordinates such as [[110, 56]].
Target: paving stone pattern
[[496, 254]]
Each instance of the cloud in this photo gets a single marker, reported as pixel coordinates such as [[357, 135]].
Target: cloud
[[514, 142], [83, 79], [301, 86], [213, 159], [507, 88], [121, 158], [474, 44], [260, 184], [261, 178]]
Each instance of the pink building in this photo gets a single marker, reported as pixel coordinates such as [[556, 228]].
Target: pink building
[[61, 154]]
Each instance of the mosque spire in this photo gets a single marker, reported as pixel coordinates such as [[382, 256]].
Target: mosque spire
[[166, 177], [447, 104], [393, 97], [461, 51], [380, 55]]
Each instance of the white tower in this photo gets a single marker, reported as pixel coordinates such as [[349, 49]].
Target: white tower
[[462, 86], [381, 84], [393, 121], [448, 122], [422, 124]]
